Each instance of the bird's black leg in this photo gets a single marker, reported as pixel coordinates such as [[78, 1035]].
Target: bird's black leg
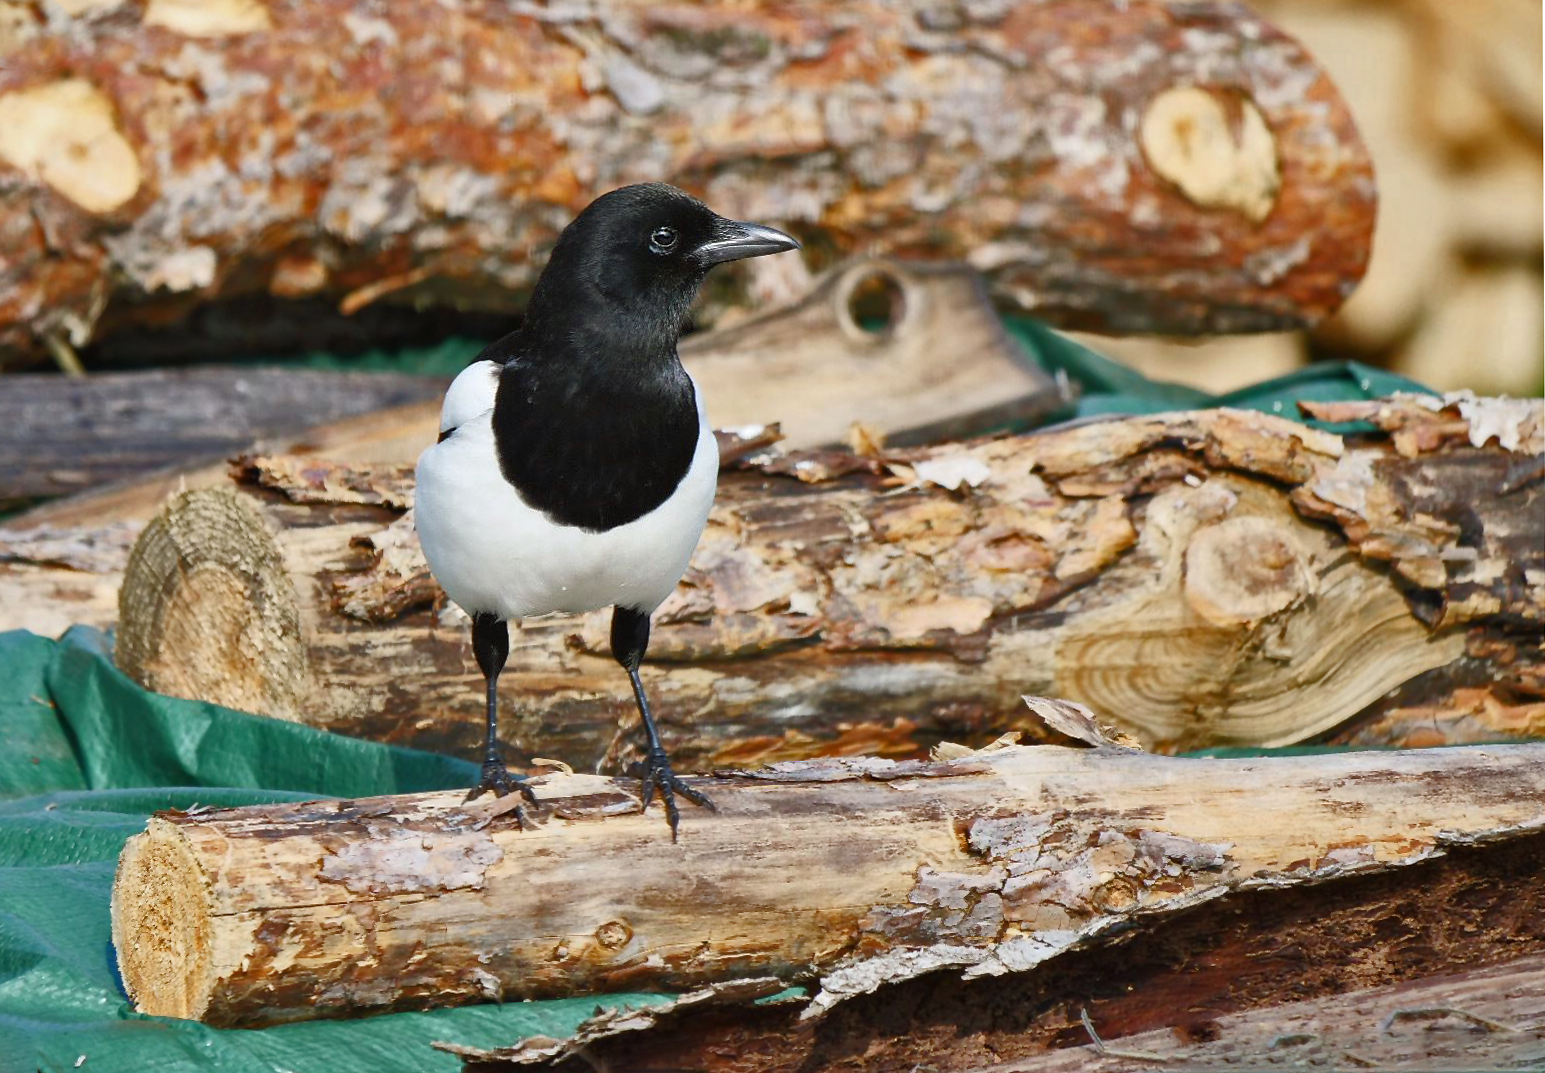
[[630, 639], [491, 646]]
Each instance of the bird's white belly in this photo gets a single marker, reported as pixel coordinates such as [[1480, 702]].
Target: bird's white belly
[[493, 553]]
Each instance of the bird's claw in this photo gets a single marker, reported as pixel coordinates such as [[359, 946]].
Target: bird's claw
[[655, 774], [497, 780]]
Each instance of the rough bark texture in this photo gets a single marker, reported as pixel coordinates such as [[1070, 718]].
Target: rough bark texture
[[59, 436], [856, 872], [158, 156], [1462, 932], [1213, 578]]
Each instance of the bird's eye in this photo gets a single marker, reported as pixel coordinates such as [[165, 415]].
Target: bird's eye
[[663, 240]]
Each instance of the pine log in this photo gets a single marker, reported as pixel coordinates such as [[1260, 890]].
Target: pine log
[[159, 156], [855, 872], [59, 436], [1202, 579]]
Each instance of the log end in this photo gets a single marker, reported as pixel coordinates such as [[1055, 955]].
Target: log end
[[162, 913], [207, 609]]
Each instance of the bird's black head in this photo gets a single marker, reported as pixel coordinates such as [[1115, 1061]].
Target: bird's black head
[[630, 265]]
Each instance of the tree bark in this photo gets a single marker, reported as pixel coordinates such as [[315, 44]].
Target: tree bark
[[157, 157], [1202, 579], [1485, 1019], [990, 863]]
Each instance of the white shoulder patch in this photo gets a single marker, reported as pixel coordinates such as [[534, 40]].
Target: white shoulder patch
[[470, 396]]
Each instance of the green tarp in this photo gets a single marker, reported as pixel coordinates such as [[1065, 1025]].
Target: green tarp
[[1108, 387]]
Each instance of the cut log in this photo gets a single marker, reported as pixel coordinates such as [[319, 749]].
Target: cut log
[[59, 436], [1214, 578], [857, 872], [153, 159]]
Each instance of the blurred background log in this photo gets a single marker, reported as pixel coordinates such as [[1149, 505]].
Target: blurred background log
[[1216, 578], [1448, 98], [159, 158]]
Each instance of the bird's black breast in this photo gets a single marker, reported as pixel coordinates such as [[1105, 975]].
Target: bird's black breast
[[592, 450]]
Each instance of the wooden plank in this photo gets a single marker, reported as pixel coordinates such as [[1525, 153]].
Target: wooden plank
[[59, 436]]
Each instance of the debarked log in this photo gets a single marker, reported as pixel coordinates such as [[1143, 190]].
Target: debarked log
[[851, 873], [155, 157], [1211, 578]]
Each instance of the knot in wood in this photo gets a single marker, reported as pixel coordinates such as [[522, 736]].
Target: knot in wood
[[66, 134], [1244, 570], [614, 934], [1218, 151]]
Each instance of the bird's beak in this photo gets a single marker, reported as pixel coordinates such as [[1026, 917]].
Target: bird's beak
[[734, 240]]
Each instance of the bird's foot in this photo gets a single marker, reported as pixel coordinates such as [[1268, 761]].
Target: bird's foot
[[655, 773], [497, 780]]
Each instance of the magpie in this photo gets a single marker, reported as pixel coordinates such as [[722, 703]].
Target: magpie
[[575, 465]]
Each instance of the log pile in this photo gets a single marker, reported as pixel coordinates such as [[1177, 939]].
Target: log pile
[[160, 157], [1449, 99], [1213, 578], [853, 874]]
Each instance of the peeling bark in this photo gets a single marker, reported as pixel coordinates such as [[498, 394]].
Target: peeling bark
[[991, 863], [1159, 569], [151, 162]]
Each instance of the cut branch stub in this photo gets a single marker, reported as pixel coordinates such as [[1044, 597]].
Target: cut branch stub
[[207, 609]]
